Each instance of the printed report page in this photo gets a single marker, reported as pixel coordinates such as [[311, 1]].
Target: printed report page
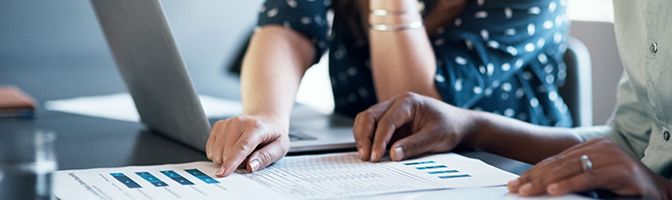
[[327, 176]]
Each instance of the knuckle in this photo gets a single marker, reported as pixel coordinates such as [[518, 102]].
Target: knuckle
[[381, 145], [253, 123], [411, 147], [408, 95], [384, 122], [535, 179], [244, 145], [236, 120], [365, 116], [361, 114], [217, 160], [219, 123], [525, 177], [605, 140], [265, 157]]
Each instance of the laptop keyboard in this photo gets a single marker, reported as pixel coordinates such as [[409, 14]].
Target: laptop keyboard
[[294, 135]]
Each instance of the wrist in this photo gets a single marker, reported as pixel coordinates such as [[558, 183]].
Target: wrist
[[473, 122], [394, 15], [395, 19], [395, 5], [274, 118]]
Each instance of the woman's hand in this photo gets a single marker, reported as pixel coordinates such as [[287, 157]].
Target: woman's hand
[[612, 169], [424, 125], [250, 142]]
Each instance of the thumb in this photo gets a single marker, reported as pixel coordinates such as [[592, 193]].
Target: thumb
[[267, 155], [414, 145]]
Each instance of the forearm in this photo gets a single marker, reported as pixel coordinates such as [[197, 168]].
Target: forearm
[[272, 69], [516, 139], [401, 60]]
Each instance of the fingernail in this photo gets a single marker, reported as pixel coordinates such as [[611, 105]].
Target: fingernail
[[220, 172], [361, 153], [399, 153], [374, 155], [525, 189], [553, 189], [254, 165]]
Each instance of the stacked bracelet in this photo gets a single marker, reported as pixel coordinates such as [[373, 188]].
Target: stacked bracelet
[[385, 27], [396, 27], [385, 12]]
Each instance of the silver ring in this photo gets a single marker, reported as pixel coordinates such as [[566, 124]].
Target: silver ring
[[586, 163]]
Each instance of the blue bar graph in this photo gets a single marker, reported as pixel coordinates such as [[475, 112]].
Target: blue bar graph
[[455, 176], [177, 177], [431, 167], [200, 175], [125, 180], [151, 179], [419, 162], [443, 172]]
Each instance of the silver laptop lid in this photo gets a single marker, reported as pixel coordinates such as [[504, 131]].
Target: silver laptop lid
[[146, 55]]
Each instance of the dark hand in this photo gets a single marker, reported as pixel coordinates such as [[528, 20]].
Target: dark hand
[[249, 142], [433, 126], [612, 169], [443, 13]]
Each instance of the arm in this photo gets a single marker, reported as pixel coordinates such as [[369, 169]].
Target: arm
[[401, 60], [427, 125], [439, 127], [515, 139], [272, 69]]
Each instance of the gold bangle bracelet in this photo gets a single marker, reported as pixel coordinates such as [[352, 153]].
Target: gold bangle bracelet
[[396, 27]]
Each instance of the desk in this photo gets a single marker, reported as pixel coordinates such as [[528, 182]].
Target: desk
[[85, 142]]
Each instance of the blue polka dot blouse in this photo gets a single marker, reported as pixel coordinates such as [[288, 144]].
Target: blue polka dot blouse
[[499, 56]]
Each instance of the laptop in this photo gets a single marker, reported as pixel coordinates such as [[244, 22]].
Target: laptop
[[147, 57]]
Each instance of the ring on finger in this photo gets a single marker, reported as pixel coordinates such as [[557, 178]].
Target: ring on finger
[[586, 163]]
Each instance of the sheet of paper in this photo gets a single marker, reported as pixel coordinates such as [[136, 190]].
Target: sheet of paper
[[328, 176], [121, 107], [181, 181], [476, 193], [345, 175]]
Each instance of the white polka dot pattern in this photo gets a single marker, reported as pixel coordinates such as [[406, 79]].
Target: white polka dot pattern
[[503, 57]]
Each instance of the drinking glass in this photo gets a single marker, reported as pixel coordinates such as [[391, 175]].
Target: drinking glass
[[27, 165]]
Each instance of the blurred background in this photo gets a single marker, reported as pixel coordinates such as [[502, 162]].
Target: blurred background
[[64, 35]]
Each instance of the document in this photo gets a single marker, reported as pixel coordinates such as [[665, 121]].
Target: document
[[327, 176], [182, 181], [121, 107]]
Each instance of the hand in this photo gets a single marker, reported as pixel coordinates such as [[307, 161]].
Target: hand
[[444, 13], [613, 169], [433, 126], [249, 142]]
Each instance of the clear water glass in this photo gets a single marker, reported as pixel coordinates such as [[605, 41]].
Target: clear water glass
[[27, 165]]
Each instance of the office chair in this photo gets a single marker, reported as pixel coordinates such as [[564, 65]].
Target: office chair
[[577, 91]]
